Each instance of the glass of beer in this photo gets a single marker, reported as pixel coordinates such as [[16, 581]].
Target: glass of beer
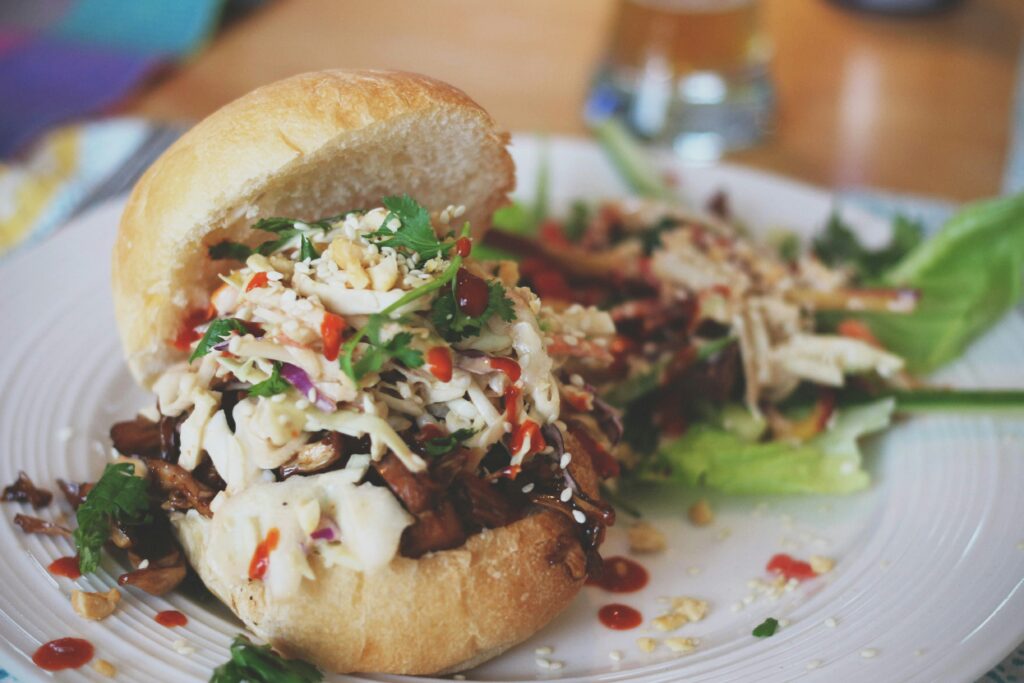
[[692, 74]]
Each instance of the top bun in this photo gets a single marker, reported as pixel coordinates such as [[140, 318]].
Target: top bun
[[312, 145]]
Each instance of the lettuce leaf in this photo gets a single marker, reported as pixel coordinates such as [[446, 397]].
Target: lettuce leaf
[[830, 463], [969, 275]]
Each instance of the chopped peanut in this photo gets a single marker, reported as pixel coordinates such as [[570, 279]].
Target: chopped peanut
[[669, 622], [701, 514], [104, 668], [821, 565], [691, 608], [644, 537], [95, 606], [681, 644], [349, 258], [647, 644]]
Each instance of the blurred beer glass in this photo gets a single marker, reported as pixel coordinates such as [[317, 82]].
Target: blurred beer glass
[[692, 74]]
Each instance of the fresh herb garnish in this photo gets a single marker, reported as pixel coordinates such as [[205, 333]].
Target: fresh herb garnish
[[118, 496], [286, 230], [378, 351], [217, 332], [650, 237], [766, 628], [576, 224], [307, 250], [275, 384], [442, 445], [253, 663], [415, 234], [839, 246], [453, 324]]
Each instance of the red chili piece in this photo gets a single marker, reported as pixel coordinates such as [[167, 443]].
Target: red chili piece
[[620, 575], [65, 566], [171, 618], [619, 617], [64, 653], [331, 328], [507, 366], [463, 246], [439, 360], [258, 280], [471, 293], [790, 567], [261, 557]]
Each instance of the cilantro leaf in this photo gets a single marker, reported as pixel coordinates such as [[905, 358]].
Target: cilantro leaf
[[442, 445], [766, 628], [217, 332], [230, 250], [118, 496], [307, 250], [377, 351], [275, 384], [415, 234], [260, 664], [452, 324], [839, 245]]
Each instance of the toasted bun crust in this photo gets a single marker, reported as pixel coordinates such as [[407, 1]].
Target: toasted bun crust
[[309, 146], [442, 613]]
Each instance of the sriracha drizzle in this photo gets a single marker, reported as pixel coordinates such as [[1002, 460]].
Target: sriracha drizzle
[[64, 653], [261, 557], [171, 618], [65, 566], [619, 617], [790, 567], [620, 575]]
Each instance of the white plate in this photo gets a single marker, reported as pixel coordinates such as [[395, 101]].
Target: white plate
[[930, 561]]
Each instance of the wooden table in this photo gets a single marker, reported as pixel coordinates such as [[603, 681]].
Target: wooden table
[[913, 105]]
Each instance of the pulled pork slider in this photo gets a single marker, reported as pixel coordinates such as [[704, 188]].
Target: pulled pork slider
[[370, 445]]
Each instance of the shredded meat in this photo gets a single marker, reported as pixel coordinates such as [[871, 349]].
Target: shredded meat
[[146, 439], [157, 578], [34, 525], [417, 491], [24, 491], [316, 456], [182, 490], [437, 529], [483, 504], [74, 492]]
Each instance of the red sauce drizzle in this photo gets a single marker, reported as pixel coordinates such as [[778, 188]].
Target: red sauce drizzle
[[261, 557], [620, 575], [790, 567], [65, 566], [64, 653], [619, 617], [471, 293], [171, 618], [528, 430], [463, 246], [439, 360], [512, 404], [187, 333], [507, 366], [258, 280]]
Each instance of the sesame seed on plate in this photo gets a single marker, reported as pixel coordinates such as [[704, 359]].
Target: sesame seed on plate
[[615, 655], [831, 622], [64, 434], [869, 653], [544, 650], [919, 652], [814, 664]]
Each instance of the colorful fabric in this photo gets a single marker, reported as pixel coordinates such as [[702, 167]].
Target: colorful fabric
[[63, 60]]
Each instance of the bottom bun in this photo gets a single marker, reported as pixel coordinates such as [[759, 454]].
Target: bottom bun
[[442, 613]]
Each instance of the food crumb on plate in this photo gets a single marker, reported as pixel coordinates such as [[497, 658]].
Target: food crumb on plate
[[616, 655], [700, 513], [183, 647], [644, 537], [869, 653], [647, 644], [693, 571], [95, 606], [813, 664], [64, 434], [544, 650], [821, 564], [545, 663], [682, 644], [104, 668], [831, 622]]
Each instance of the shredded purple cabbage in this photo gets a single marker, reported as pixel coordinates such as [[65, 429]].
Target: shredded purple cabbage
[[298, 378]]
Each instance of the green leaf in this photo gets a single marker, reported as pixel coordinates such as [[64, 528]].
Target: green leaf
[[516, 219], [251, 663], [216, 332], [415, 234], [377, 351], [452, 324], [306, 250], [839, 246], [969, 275], [230, 250], [442, 445], [766, 628], [118, 496], [576, 224], [829, 463], [275, 384]]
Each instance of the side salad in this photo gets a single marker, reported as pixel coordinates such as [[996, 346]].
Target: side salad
[[754, 367]]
